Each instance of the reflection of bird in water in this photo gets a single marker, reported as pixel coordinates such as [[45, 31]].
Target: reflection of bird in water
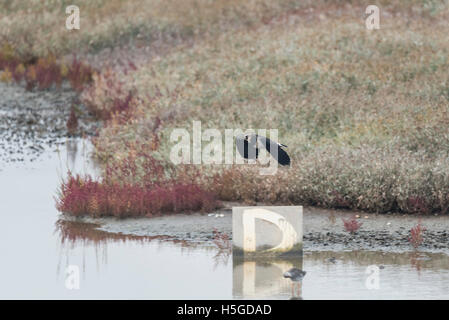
[[295, 275], [247, 146]]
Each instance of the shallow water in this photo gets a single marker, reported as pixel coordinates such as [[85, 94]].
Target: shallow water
[[38, 249]]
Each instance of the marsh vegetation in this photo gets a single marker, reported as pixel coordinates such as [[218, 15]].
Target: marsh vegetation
[[364, 113]]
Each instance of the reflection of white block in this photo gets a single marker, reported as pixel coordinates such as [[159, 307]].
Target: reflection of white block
[[262, 278], [267, 230]]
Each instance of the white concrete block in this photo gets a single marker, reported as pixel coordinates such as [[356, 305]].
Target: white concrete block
[[267, 230]]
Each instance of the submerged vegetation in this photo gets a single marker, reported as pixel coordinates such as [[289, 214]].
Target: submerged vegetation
[[364, 113]]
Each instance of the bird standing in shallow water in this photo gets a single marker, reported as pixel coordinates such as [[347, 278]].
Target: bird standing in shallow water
[[295, 275], [247, 146]]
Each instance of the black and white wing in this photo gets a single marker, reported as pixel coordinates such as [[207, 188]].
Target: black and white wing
[[247, 147], [275, 149]]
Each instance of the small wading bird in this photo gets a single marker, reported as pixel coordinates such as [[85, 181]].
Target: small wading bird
[[295, 275], [247, 146]]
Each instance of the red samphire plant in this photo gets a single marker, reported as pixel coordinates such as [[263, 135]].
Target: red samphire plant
[[44, 72], [416, 235], [81, 196], [351, 225]]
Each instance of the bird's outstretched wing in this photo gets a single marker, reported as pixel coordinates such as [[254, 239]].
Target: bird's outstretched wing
[[275, 150], [247, 150]]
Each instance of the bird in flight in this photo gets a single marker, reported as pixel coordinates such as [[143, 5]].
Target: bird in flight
[[248, 147]]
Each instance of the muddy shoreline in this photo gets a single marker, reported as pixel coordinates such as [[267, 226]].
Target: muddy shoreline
[[323, 229], [32, 122]]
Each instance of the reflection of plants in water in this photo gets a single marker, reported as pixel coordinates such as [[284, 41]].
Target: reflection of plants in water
[[74, 233], [221, 240], [223, 245], [72, 122], [416, 261], [416, 235], [88, 234], [332, 218]]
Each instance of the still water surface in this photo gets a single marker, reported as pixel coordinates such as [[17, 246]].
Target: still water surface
[[37, 247]]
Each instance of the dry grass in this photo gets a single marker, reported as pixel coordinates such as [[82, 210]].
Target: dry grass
[[364, 113], [106, 23]]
